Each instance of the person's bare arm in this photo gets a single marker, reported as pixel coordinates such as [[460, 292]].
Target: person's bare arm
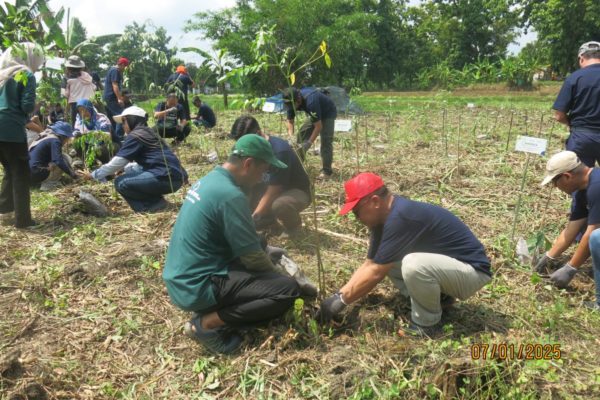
[[316, 131], [561, 117], [566, 237], [582, 253], [364, 280], [120, 98], [290, 126], [264, 205]]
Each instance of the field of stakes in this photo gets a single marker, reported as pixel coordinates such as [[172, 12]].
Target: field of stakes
[[85, 314]]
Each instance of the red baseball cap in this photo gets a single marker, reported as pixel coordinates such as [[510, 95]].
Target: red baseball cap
[[358, 187], [123, 60]]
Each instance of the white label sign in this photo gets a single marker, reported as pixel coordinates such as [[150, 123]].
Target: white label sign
[[268, 106], [530, 144], [343, 125]]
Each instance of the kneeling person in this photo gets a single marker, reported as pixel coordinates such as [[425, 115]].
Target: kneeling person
[[287, 190], [215, 265], [172, 120], [158, 170], [46, 159], [568, 173], [427, 252]]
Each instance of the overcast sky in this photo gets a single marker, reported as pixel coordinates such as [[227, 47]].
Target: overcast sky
[[102, 17]]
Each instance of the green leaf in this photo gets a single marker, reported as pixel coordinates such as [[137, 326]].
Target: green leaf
[[327, 60]]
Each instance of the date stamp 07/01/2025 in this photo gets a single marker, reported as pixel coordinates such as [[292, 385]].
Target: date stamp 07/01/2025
[[512, 351]]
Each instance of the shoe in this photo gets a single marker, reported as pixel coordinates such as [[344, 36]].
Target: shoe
[[217, 340], [49, 186], [447, 301], [592, 305], [419, 331], [158, 206], [323, 176], [29, 225]]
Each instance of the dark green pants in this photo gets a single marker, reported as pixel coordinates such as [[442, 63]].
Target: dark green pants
[[326, 140]]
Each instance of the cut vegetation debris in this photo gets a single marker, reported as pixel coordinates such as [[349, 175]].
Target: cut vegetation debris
[[85, 313]]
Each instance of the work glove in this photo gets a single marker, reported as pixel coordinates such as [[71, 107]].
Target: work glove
[[331, 308], [172, 109], [562, 276], [275, 253], [545, 264], [306, 145]]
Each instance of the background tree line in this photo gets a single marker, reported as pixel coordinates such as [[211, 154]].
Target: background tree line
[[381, 44], [374, 44]]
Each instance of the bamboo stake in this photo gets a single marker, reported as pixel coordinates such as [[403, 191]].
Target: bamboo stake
[[512, 115]]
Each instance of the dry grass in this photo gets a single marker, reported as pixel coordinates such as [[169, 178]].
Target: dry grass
[[85, 314]]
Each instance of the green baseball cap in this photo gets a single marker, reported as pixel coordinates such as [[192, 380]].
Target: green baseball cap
[[256, 146]]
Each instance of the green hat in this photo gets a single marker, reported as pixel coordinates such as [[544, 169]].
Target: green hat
[[258, 147]]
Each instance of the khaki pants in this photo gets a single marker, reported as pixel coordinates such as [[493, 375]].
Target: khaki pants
[[424, 276]]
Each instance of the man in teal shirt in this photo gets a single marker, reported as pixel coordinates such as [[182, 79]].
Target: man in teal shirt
[[215, 265]]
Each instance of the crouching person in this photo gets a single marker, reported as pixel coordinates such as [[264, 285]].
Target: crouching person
[[287, 190], [215, 265], [171, 120], [46, 159], [429, 254], [158, 171]]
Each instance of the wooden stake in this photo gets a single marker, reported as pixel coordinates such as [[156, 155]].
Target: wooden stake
[[518, 207], [512, 115]]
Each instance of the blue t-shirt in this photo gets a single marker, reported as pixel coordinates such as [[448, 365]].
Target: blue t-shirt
[[415, 227], [207, 115], [113, 75], [292, 177], [579, 97], [45, 152], [172, 118], [152, 159], [587, 201], [316, 104], [182, 81]]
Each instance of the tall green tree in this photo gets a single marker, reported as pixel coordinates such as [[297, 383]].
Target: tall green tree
[[301, 26], [30, 20], [149, 52], [562, 26]]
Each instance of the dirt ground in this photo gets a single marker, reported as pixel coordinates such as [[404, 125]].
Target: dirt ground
[[85, 314]]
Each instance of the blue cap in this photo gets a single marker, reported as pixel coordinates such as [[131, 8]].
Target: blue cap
[[62, 128]]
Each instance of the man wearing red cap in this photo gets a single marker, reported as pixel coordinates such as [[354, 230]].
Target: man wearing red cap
[[427, 252], [183, 82], [115, 101]]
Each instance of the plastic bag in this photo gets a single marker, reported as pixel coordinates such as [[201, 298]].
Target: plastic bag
[[92, 205], [291, 268], [523, 252]]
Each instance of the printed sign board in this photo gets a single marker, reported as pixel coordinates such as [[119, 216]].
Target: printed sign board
[[343, 125], [268, 106], [530, 144]]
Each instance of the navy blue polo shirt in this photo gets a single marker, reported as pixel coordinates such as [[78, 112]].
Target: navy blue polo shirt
[[172, 118], [207, 115], [316, 104], [292, 177], [152, 159], [587, 201], [415, 227], [113, 75], [182, 81], [45, 152], [579, 97]]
